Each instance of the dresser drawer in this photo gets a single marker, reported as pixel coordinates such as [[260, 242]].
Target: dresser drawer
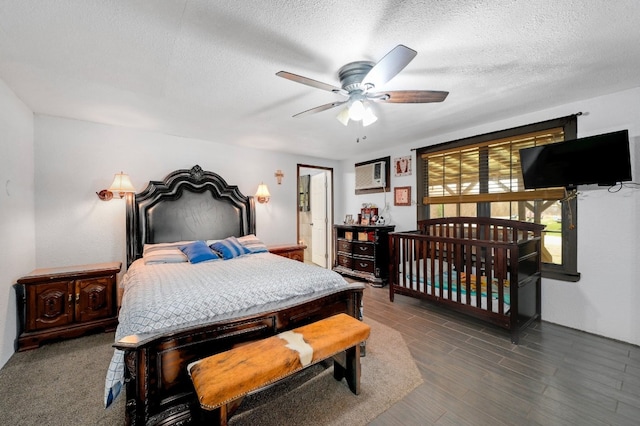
[[363, 249], [364, 264], [345, 261], [344, 246]]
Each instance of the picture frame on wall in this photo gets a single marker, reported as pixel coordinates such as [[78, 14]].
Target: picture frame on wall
[[402, 166], [402, 196]]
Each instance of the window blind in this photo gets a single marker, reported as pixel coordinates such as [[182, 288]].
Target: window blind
[[483, 172]]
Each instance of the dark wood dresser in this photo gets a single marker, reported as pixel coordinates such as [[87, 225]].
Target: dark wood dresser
[[363, 252], [66, 302]]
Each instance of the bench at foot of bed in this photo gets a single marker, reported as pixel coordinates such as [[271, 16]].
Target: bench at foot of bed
[[221, 380]]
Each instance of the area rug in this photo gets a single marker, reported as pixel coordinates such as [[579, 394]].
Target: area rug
[[62, 383], [388, 374]]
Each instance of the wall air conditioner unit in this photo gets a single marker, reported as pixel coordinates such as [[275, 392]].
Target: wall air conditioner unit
[[371, 175]]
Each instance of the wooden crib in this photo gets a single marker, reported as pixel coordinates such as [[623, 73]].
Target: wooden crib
[[484, 267]]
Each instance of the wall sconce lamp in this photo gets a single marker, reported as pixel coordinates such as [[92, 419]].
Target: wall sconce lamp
[[262, 194], [121, 184], [279, 175]]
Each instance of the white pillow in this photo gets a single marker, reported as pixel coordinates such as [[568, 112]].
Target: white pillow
[[254, 244], [164, 253]]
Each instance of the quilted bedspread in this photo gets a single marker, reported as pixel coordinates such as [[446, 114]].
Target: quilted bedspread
[[169, 296]]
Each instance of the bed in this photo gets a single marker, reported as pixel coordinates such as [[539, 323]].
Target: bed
[[174, 311], [487, 268]]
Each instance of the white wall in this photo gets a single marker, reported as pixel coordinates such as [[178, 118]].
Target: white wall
[[403, 217], [17, 232], [74, 159], [606, 300]]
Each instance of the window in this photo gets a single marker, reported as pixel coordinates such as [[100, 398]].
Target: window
[[481, 176]]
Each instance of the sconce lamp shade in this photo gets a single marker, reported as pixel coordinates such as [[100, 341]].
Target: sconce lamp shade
[[121, 185], [262, 194]]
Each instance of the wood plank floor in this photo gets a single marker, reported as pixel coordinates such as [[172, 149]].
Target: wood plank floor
[[473, 375]]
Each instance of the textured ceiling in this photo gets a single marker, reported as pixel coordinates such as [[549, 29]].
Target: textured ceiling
[[206, 69]]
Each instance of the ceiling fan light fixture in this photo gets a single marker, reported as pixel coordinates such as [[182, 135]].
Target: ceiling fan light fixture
[[356, 110], [343, 116], [369, 117]]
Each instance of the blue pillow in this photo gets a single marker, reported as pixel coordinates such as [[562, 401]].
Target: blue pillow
[[198, 251], [229, 248]]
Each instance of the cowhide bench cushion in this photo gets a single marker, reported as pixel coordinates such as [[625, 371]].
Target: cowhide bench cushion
[[222, 378]]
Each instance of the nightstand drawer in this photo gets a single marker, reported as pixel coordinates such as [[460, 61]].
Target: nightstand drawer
[[293, 251], [364, 264], [344, 246], [52, 305], [364, 249], [345, 261]]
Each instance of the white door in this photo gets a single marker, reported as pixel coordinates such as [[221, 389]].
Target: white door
[[318, 200]]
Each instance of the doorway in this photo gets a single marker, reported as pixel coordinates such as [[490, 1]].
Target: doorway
[[315, 213]]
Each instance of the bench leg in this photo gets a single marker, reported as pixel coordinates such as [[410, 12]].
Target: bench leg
[[215, 417], [351, 369], [223, 416], [219, 416]]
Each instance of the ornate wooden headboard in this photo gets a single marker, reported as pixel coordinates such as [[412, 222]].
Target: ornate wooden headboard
[[187, 205]]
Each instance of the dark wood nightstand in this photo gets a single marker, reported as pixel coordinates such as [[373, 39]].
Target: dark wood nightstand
[[66, 302], [292, 251]]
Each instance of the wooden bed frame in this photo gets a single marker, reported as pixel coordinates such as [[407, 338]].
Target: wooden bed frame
[[458, 251], [199, 205]]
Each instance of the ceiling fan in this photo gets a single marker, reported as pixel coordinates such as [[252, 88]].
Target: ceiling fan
[[360, 81]]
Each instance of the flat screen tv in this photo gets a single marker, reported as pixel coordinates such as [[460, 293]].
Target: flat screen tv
[[602, 159]]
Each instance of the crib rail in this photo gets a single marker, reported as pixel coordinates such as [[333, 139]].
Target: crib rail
[[462, 271], [480, 228], [480, 267]]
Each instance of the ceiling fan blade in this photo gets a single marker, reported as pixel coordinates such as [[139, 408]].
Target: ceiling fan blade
[[311, 82], [320, 108], [409, 96], [389, 66]]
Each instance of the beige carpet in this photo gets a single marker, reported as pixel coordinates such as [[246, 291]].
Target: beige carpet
[[62, 384]]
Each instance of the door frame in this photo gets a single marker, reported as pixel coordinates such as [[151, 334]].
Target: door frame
[[330, 213]]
